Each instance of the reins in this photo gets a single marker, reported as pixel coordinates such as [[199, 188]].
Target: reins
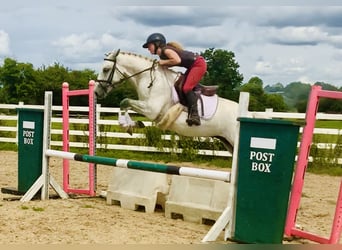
[[125, 77]]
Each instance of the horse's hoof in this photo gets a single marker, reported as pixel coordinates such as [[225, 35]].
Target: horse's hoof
[[140, 124], [130, 130], [124, 104]]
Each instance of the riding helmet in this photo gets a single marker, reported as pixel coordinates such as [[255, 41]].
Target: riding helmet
[[155, 38]]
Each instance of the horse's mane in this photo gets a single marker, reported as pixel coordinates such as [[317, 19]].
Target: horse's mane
[[149, 59]]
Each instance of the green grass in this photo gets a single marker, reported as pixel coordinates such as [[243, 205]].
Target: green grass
[[328, 124], [87, 206], [332, 171], [38, 209], [6, 146], [321, 123]]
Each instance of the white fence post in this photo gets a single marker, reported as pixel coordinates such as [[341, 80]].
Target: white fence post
[[20, 105]]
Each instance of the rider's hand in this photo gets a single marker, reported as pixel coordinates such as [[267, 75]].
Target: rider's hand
[[161, 62]]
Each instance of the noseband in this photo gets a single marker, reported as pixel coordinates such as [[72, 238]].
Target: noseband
[[109, 81]]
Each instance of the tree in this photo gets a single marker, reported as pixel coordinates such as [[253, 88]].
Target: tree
[[124, 90], [222, 71], [19, 82], [276, 88], [256, 81], [297, 91], [297, 95], [276, 102], [329, 105], [259, 100], [52, 77], [9, 74]]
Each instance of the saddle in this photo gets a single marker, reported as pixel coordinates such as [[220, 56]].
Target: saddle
[[199, 90]]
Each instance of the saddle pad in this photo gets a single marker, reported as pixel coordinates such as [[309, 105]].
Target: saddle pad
[[209, 103], [210, 106]]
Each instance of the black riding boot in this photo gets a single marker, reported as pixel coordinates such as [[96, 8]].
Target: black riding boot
[[193, 117]]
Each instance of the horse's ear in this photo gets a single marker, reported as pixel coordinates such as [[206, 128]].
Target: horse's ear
[[117, 52]]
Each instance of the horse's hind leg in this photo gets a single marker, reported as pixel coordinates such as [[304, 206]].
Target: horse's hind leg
[[226, 144]]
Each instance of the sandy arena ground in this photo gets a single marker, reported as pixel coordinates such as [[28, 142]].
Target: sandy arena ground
[[85, 220]]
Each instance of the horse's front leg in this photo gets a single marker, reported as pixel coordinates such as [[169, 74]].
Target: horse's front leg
[[126, 122], [140, 107]]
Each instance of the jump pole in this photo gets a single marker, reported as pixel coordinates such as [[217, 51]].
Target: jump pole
[[145, 166], [92, 175]]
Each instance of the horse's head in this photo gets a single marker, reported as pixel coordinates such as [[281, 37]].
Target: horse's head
[[120, 67], [109, 76]]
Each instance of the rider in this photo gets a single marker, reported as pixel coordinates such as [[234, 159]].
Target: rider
[[175, 56]]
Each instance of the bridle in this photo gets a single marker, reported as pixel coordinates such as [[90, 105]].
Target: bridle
[[125, 77]]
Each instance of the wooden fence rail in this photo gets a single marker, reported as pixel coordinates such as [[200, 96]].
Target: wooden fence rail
[[107, 117]]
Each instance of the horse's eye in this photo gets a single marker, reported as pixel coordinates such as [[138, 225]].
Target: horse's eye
[[105, 70]]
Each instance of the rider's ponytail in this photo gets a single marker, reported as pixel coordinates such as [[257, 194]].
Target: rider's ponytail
[[175, 45]]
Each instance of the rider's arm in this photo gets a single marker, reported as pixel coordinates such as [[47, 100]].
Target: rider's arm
[[173, 58]]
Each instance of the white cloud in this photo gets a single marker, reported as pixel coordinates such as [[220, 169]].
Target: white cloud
[[302, 36], [280, 67], [107, 40], [284, 65], [4, 44], [81, 47], [335, 40], [75, 45], [298, 35], [294, 65], [263, 68], [279, 43], [305, 79]]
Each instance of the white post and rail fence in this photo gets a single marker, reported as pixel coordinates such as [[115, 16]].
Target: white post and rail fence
[[111, 136]]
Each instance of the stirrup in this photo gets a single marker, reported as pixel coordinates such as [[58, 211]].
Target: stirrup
[[193, 121], [196, 122]]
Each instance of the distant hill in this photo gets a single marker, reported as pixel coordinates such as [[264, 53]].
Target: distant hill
[[296, 94]]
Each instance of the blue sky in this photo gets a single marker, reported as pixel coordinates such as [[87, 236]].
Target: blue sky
[[276, 43]]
